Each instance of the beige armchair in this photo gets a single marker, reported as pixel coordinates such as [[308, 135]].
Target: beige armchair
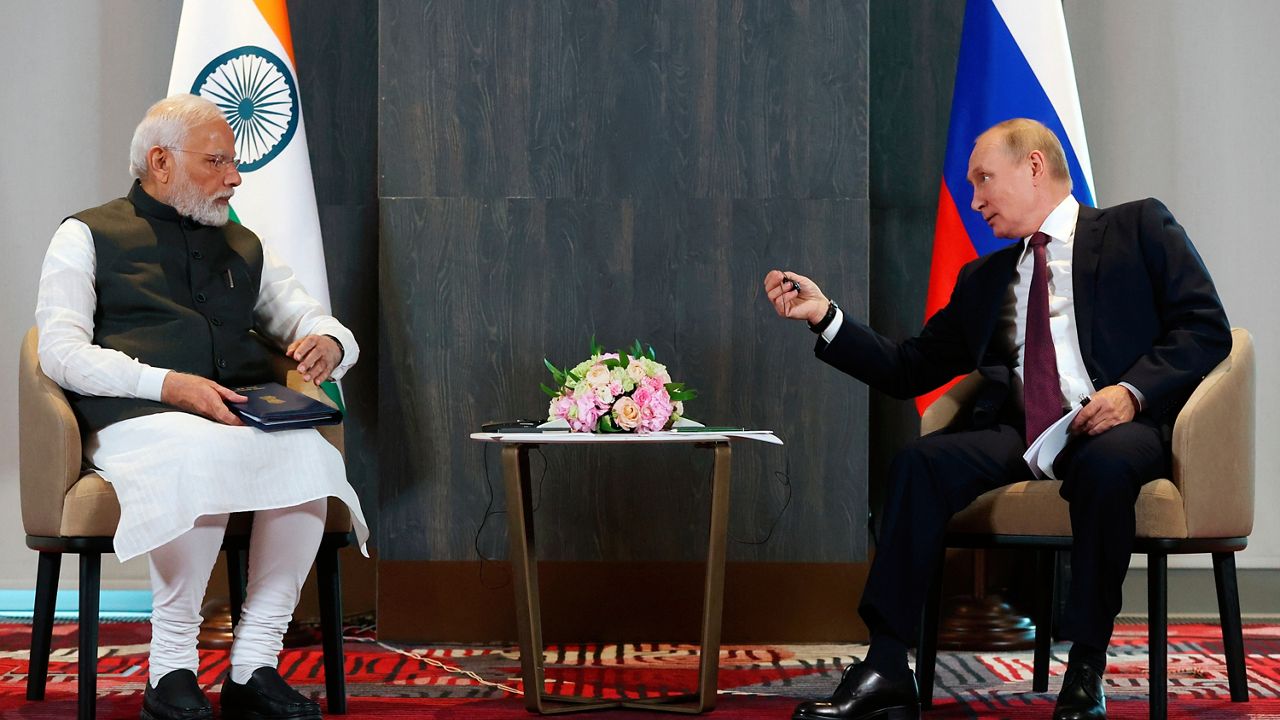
[[69, 509], [1206, 506]]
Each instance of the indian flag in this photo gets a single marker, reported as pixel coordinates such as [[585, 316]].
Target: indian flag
[[239, 54]]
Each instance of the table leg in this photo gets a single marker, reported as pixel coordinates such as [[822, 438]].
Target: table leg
[[713, 592], [524, 566]]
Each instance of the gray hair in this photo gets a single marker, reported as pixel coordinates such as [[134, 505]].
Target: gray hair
[[166, 124]]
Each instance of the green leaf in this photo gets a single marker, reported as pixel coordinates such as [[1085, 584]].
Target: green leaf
[[556, 373], [611, 363], [682, 396], [674, 386], [595, 346], [572, 377], [624, 360], [636, 350], [606, 424], [652, 355], [548, 390]]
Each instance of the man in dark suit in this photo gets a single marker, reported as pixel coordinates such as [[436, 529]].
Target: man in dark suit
[[1114, 305]]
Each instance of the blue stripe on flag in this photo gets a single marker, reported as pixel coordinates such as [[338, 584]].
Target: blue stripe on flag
[[994, 82]]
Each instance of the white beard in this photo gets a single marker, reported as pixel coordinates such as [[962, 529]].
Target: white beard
[[187, 199]]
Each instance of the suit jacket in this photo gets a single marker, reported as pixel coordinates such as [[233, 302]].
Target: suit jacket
[[1147, 313]]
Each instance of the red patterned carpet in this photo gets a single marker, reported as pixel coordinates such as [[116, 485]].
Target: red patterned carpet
[[755, 682]]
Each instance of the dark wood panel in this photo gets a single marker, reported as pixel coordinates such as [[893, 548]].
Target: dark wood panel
[[601, 100], [616, 602], [336, 46], [915, 45], [474, 293]]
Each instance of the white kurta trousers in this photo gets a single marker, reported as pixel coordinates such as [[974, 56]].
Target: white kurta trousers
[[177, 477]]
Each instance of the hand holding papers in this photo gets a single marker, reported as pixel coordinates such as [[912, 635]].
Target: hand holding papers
[[1044, 449]]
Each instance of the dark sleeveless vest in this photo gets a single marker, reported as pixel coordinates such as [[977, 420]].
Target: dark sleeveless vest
[[174, 294]]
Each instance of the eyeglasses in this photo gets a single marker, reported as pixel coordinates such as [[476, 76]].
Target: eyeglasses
[[221, 163]]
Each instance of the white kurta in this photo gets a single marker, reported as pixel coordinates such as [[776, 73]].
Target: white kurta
[[170, 468]]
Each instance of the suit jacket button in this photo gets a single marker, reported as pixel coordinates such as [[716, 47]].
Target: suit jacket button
[[197, 254], [222, 363], [200, 297], [216, 321]]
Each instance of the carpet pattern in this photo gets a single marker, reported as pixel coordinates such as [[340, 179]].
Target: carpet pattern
[[755, 681]]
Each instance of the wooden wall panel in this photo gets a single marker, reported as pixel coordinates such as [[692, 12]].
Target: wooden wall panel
[[336, 46], [571, 99], [629, 169]]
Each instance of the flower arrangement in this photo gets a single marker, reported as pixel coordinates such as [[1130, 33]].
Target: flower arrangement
[[616, 392]]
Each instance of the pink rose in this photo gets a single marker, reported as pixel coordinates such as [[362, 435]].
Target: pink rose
[[626, 414]]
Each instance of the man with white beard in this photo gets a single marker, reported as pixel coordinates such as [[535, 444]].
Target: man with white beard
[[147, 311]]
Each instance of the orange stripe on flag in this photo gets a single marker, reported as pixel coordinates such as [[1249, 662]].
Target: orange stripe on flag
[[276, 13], [951, 250]]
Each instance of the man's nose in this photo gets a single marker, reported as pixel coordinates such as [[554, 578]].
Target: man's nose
[[233, 178], [977, 202]]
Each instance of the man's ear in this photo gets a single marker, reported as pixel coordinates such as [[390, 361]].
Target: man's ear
[[159, 164], [1038, 167]]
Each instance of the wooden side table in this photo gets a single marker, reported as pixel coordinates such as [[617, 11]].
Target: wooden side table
[[524, 563]]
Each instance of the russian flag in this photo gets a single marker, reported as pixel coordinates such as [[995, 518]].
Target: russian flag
[[1014, 62]]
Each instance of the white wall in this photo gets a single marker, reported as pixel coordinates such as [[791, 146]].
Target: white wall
[[77, 77], [1180, 102]]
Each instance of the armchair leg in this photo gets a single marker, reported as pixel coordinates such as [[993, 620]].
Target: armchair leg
[[1046, 572], [1157, 637], [329, 582], [42, 623], [1224, 575], [90, 583], [927, 650], [237, 581]]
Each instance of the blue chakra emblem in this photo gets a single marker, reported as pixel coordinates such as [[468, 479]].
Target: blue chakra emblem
[[256, 93]]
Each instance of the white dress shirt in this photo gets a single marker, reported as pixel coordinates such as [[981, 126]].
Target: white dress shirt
[[1073, 378]]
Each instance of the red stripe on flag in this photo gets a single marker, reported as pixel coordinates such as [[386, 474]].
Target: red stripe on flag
[[951, 250]]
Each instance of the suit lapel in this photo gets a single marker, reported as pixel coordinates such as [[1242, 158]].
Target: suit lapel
[[1087, 249]]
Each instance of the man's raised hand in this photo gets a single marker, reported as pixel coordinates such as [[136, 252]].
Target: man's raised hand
[[795, 296]]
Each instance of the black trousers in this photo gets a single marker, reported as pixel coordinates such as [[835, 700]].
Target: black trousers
[[941, 473]]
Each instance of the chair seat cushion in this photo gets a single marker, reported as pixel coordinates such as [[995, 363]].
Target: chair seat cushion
[[92, 510], [1033, 507]]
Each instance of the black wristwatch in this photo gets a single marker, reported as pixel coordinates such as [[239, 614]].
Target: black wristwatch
[[822, 324]]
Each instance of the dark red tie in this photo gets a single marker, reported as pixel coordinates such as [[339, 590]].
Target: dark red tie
[[1041, 392]]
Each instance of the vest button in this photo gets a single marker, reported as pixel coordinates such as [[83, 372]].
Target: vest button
[[200, 297], [197, 254], [222, 363], [216, 321]]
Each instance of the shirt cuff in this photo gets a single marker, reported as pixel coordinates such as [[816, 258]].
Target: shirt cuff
[[1137, 395], [829, 333], [151, 383]]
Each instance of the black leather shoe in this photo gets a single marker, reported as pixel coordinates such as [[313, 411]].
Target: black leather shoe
[[864, 694], [1081, 697], [176, 697], [265, 697]]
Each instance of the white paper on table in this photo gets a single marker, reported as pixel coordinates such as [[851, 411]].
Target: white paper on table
[[1044, 450], [766, 436]]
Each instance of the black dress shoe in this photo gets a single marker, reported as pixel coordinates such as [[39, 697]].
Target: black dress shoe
[[265, 697], [1081, 697], [176, 697], [864, 694]]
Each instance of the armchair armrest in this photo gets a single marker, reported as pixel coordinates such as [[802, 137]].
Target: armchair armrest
[[1213, 447], [947, 408], [49, 451]]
